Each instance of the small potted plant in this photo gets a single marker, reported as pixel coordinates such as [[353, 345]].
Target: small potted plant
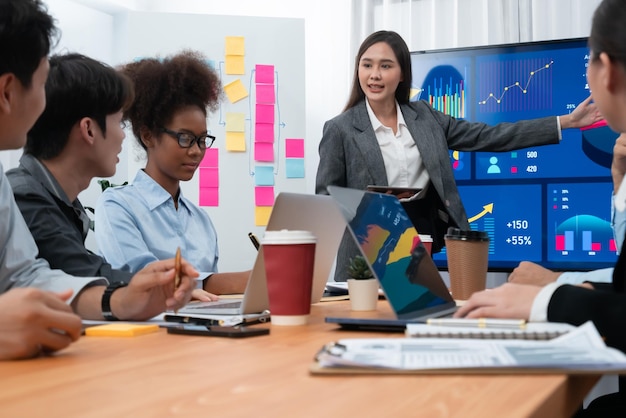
[[362, 286]]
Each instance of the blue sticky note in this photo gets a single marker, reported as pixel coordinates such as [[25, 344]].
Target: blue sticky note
[[264, 175], [295, 168]]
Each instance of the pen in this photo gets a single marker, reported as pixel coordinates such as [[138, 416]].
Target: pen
[[254, 240], [192, 320], [478, 323], [177, 267]]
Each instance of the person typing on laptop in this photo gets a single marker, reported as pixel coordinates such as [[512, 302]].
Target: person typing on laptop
[[602, 303], [145, 221]]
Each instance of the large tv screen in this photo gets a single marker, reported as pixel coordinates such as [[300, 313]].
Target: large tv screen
[[549, 204]]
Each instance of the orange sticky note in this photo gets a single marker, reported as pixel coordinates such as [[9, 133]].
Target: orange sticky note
[[120, 329]]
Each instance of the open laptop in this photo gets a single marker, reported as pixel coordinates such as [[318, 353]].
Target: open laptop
[[316, 213], [397, 258]]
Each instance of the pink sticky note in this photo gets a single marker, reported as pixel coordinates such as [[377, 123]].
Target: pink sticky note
[[208, 196], [210, 158], [209, 177], [265, 113], [264, 196], [264, 74], [265, 93], [263, 151], [294, 148], [264, 132]]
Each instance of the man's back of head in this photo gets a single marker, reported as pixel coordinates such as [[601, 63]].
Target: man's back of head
[[26, 34]]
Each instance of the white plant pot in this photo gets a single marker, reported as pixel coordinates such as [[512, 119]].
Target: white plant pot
[[363, 294]]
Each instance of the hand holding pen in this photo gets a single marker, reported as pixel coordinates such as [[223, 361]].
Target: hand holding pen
[[177, 269], [151, 291]]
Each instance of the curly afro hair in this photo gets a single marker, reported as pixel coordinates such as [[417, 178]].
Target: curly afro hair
[[162, 87]]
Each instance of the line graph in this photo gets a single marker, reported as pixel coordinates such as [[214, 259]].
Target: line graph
[[495, 73]]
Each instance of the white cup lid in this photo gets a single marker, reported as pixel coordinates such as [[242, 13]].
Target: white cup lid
[[288, 236], [425, 238]]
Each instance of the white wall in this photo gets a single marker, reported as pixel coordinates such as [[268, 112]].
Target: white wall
[[88, 27], [327, 53]]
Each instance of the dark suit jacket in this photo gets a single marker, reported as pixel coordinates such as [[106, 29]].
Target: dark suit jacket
[[350, 155], [605, 306]]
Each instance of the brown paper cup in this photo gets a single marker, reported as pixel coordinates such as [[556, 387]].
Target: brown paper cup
[[467, 253], [289, 259]]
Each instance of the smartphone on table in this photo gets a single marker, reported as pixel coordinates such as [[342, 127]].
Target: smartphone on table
[[218, 331]]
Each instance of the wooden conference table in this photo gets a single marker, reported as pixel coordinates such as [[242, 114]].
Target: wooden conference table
[[163, 375]]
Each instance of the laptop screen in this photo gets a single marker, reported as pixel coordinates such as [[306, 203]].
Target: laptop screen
[[391, 245]]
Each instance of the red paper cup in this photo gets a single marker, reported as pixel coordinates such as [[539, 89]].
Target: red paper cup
[[427, 241], [289, 259]]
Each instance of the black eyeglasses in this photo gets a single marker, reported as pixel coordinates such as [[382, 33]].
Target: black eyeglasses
[[186, 139]]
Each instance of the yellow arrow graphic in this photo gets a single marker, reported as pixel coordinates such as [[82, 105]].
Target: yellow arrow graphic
[[486, 209]]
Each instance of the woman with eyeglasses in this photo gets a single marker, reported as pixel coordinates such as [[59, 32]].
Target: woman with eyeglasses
[[149, 219]]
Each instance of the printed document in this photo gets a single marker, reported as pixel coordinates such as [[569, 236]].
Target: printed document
[[580, 350]]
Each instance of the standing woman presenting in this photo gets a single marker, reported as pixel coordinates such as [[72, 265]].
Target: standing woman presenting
[[383, 139]]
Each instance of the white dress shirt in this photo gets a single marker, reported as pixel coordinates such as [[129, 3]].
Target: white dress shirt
[[403, 161]]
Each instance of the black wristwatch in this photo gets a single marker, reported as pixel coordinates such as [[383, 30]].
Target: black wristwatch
[[106, 300]]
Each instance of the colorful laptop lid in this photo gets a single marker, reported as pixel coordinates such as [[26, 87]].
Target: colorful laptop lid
[[391, 245]]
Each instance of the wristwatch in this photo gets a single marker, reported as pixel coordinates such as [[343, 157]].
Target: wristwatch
[[106, 300]]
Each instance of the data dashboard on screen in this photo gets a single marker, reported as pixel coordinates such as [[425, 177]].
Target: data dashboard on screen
[[549, 204]]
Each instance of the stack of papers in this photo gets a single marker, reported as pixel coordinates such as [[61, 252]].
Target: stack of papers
[[579, 351]]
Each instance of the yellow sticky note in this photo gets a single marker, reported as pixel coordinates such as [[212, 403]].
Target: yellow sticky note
[[235, 64], [235, 45], [235, 91], [262, 215], [235, 141], [235, 122], [120, 329]]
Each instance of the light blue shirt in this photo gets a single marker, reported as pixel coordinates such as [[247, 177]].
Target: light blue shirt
[[138, 224]]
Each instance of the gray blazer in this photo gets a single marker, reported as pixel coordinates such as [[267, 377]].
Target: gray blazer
[[350, 155]]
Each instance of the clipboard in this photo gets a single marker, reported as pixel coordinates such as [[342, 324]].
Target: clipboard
[[581, 351], [316, 369]]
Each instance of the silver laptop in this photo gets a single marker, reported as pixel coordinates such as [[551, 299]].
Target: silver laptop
[[390, 243], [316, 213]]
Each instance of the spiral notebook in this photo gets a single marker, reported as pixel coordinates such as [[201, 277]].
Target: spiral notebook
[[530, 331]]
